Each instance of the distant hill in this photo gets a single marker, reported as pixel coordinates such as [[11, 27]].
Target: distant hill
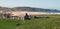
[[30, 9], [35, 9], [5, 8]]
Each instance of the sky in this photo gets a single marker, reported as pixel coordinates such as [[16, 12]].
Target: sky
[[49, 4]]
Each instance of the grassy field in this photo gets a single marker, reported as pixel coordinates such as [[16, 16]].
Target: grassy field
[[53, 22]]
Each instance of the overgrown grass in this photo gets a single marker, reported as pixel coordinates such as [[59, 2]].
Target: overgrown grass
[[37, 23], [41, 23], [7, 23]]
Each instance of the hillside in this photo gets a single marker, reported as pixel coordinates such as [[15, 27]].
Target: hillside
[[29, 9], [35, 9], [53, 22]]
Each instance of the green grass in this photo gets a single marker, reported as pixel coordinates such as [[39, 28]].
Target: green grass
[[38, 23], [7, 24]]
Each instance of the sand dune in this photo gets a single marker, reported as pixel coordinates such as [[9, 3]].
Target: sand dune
[[22, 13]]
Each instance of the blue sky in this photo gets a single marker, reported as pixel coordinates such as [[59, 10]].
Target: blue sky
[[50, 4]]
